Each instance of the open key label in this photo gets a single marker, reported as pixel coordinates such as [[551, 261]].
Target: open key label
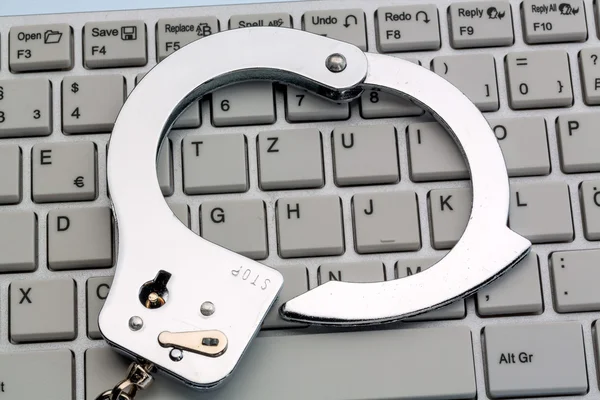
[[190, 308]]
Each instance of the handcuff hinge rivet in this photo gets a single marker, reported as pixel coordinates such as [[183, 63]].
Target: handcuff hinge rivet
[[336, 62]]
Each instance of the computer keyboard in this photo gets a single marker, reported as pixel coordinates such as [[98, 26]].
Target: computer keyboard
[[322, 191]]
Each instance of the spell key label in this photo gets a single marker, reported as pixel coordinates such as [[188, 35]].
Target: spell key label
[[41, 47]]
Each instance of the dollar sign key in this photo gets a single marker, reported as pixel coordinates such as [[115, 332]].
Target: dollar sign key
[[75, 87]]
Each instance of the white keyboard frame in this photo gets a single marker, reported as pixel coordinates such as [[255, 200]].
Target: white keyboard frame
[[297, 9]]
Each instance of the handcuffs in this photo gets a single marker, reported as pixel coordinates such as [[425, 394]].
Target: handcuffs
[[190, 308]]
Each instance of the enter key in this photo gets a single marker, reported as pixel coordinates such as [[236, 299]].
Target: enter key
[[535, 360]]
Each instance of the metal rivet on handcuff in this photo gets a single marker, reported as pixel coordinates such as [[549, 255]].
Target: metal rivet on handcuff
[[151, 240]]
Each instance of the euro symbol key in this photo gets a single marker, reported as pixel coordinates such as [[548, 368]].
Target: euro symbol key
[[79, 182]]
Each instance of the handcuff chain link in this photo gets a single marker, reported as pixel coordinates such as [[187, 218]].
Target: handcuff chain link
[[138, 378]]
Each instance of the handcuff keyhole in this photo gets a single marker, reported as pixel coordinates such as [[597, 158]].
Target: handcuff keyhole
[[154, 293]]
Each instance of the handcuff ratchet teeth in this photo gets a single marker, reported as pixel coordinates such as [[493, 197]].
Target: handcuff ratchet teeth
[[189, 307]]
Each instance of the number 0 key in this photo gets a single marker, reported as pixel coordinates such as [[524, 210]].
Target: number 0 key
[[539, 79]]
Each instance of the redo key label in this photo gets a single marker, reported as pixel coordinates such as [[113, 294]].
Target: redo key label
[[405, 28]]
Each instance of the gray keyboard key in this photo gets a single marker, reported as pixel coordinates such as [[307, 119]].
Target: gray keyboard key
[[523, 141], [295, 282], [190, 118], [590, 206], [535, 360], [174, 33], [310, 226], [283, 20], [449, 211], [42, 310], [164, 168], [247, 103], [114, 44], [406, 28], [290, 159], [539, 79], [18, 241], [575, 275], [302, 106], [63, 172], [517, 292], [433, 155], [480, 24], [590, 75], [377, 104], [548, 21], [214, 163], [346, 25], [474, 75], [409, 267], [366, 271], [524, 144], [53, 371], [102, 365], [96, 293], [182, 212], [90, 104], [541, 211], [365, 155], [10, 178], [40, 47], [239, 225], [71, 242], [29, 115], [386, 222], [397, 364], [579, 143]]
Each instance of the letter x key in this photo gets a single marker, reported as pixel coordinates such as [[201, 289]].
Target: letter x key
[[25, 295]]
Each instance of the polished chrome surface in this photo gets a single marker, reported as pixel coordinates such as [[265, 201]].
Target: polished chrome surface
[[152, 239], [487, 247]]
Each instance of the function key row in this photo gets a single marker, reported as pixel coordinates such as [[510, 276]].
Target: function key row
[[398, 29]]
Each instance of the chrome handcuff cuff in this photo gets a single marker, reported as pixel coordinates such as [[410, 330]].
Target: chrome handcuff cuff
[[174, 290]]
